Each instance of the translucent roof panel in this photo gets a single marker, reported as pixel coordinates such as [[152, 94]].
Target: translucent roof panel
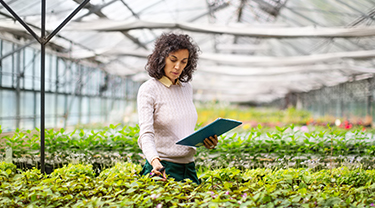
[[290, 46]]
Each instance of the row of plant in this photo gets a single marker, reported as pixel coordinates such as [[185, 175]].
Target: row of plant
[[98, 147], [120, 186], [283, 147], [271, 117], [254, 116], [289, 147]]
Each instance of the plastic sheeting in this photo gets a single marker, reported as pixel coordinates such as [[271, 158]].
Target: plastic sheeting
[[104, 25], [241, 60], [237, 29], [252, 51]]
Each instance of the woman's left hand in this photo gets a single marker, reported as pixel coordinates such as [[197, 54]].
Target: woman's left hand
[[210, 142]]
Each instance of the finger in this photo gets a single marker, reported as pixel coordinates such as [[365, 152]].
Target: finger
[[205, 142], [207, 145], [208, 141], [214, 140], [164, 175], [155, 172]]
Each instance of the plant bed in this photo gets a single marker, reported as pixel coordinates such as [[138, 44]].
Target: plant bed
[[283, 147], [120, 186]]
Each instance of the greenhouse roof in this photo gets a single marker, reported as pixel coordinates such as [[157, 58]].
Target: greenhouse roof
[[252, 50]]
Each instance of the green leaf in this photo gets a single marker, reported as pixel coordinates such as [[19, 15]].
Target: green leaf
[[73, 132], [8, 171], [307, 179], [296, 199], [33, 197], [82, 133], [131, 190], [329, 127], [257, 196], [292, 126]]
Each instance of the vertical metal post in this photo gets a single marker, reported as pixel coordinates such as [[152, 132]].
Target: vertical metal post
[[126, 89], [1, 78], [79, 91], [42, 85], [89, 109], [369, 98], [56, 91], [18, 87], [23, 68], [66, 110], [34, 92]]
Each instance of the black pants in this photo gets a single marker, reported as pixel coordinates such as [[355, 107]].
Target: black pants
[[175, 170]]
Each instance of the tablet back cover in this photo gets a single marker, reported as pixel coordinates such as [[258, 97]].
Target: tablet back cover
[[218, 127]]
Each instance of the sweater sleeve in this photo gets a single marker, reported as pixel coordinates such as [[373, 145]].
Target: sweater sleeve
[[146, 141]]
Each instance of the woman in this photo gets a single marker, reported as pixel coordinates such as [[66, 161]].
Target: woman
[[166, 110]]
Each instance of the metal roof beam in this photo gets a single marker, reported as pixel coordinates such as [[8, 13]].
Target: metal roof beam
[[130, 9], [93, 9], [150, 6], [357, 10], [314, 22], [214, 9], [239, 17], [38, 28], [9, 3], [97, 10], [211, 10], [371, 15]]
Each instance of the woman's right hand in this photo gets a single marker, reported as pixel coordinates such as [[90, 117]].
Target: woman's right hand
[[156, 167]]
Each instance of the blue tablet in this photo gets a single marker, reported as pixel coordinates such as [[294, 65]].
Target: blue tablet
[[218, 127]]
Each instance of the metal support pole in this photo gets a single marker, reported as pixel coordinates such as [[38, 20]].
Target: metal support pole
[[89, 110], [43, 40], [18, 89], [1, 78], [66, 111], [34, 93], [56, 91], [79, 89], [369, 97], [42, 87]]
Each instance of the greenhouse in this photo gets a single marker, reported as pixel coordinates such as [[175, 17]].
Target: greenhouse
[[83, 114]]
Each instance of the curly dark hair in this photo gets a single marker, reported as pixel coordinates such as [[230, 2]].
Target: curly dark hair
[[168, 43]]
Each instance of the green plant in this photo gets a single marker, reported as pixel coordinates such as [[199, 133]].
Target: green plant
[[120, 186]]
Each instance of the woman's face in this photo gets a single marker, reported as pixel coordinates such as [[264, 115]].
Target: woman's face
[[175, 62]]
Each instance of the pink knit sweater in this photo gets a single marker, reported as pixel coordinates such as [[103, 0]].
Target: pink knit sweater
[[166, 115]]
